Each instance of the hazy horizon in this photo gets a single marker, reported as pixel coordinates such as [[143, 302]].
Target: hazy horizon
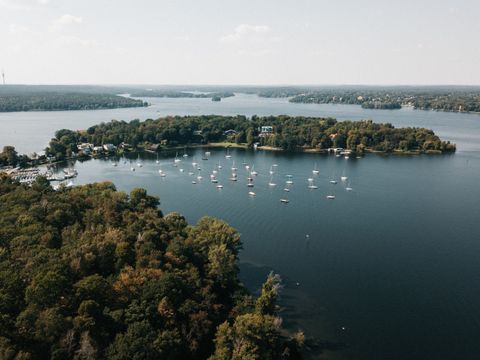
[[252, 43]]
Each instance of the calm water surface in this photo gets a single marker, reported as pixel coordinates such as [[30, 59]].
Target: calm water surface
[[391, 269]]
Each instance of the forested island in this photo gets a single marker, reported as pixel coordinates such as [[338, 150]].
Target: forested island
[[93, 273], [280, 132], [181, 94], [53, 101], [456, 99]]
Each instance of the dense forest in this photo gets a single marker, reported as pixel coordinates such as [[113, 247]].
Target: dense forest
[[48, 101], [93, 273], [441, 99], [289, 133]]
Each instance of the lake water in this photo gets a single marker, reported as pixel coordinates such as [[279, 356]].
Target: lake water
[[391, 269]]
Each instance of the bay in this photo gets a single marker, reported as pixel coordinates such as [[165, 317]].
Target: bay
[[390, 269]]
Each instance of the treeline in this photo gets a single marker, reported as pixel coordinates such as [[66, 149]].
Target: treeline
[[441, 99], [92, 273], [289, 133], [180, 94], [48, 101]]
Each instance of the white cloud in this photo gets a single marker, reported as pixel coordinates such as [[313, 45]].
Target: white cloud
[[243, 31], [68, 19], [65, 20]]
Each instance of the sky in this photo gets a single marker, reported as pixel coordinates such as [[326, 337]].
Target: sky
[[260, 42]]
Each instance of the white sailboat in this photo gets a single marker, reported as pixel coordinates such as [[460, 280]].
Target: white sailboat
[[176, 160], [315, 171], [271, 183], [311, 184], [348, 187], [228, 156]]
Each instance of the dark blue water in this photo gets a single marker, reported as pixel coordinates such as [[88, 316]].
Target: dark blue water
[[390, 269]]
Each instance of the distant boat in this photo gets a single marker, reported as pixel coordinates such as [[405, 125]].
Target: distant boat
[[233, 166], [132, 168], [139, 164], [311, 184], [285, 201], [199, 177], [115, 164], [330, 197], [163, 174], [233, 179], [157, 161], [191, 173], [219, 186], [271, 170], [333, 181], [286, 190], [253, 172], [181, 170], [251, 193], [289, 182], [214, 181], [315, 171], [250, 184], [207, 153], [228, 156], [194, 182]]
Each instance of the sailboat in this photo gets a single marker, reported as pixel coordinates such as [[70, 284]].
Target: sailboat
[[289, 181], [177, 160], [271, 183], [330, 197], [343, 177], [185, 155], [285, 201], [311, 184], [271, 170], [233, 166], [348, 187], [315, 171], [228, 156], [253, 172], [158, 160], [139, 164], [250, 181]]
